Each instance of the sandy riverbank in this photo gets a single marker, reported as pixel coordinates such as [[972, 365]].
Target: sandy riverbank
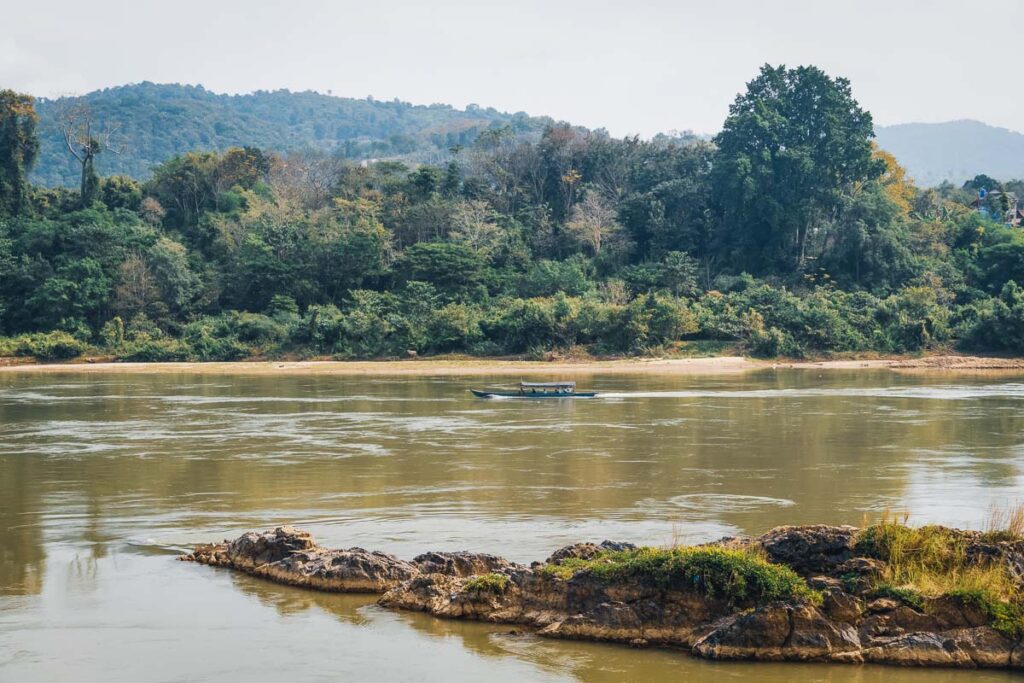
[[468, 367]]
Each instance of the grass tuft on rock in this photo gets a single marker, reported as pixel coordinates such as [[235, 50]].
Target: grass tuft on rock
[[907, 596], [487, 583], [932, 561], [741, 577]]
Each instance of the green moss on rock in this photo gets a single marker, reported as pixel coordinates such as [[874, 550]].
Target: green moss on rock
[[487, 583], [737, 576]]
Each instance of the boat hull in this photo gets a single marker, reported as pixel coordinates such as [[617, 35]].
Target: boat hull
[[515, 394]]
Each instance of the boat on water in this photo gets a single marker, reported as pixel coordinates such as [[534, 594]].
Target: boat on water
[[537, 390]]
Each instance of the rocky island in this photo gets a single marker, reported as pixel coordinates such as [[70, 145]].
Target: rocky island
[[929, 596]]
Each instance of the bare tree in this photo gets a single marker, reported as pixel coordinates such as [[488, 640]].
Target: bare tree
[[136, 288], [307, 178], [473, 223], [85, 138], [592, 222]]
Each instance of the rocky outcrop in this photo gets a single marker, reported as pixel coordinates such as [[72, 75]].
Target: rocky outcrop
[[288, 556], [842, 620], [586, 551], [460, 563]]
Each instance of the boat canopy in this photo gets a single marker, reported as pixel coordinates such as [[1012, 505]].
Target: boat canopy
[[548, 385]]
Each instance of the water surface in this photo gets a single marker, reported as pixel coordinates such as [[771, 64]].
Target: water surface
[[105, 478]]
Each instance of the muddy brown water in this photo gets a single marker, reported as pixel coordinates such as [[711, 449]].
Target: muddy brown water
[[105, 478]]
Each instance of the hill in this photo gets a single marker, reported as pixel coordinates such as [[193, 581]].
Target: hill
[[954, 151], [154, 122], [157, 121]]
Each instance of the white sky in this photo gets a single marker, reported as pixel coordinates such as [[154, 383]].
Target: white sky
[[632, 67]]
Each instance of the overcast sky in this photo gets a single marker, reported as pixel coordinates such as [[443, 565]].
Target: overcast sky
[[631, 67]]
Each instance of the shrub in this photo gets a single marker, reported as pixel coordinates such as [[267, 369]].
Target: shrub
[[112, 334], [145, 349], [205, 342], [487, 583], [50, 346]]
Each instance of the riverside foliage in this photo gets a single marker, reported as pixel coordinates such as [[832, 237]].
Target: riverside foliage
[[789, 234]]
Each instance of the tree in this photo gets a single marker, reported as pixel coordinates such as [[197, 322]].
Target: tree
[[135, 289], [679, 273], [121, 192], [451, 267], [85, 139], [19, 148], [592, 222], [473, 224], [791, 145]]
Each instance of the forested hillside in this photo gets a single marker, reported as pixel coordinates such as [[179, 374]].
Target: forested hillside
[[152, 123], [955, 151], [789, 234]]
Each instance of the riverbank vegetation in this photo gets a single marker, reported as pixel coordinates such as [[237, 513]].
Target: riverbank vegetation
[[789, 234]]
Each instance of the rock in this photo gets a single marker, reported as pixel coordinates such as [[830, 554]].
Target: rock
[[289, 556], [1009, 554], [809, 550], [815, 636], [821, 583], [984, 645], [761, 632], [842, 606], [955, 612], [460, 563], [345, 571], [642, 610], [882, 605], [919, 649], [585, 551], [1017, 656], [779, 632], [255, 549]]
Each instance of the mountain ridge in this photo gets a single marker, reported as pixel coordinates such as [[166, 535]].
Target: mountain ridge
[[159, 120]]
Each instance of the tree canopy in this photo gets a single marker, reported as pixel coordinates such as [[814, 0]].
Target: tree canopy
[[788, 234]]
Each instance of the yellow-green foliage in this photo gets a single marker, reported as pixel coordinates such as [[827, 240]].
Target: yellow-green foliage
[[739, 576], [487, 583], [932, 561]]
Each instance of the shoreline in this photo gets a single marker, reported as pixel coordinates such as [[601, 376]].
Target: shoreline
[[448, 367]]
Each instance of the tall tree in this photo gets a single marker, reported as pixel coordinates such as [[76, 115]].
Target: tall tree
[[792, 143], [18, 148], [85, 139]]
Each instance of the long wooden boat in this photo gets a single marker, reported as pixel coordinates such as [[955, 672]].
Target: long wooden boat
[[537, 390]]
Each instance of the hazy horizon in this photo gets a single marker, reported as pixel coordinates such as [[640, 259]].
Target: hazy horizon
[[652, 67]]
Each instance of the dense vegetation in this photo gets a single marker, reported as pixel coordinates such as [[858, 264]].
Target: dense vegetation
[[156, 122], [789, 234]]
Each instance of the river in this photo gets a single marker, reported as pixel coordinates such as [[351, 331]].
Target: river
[[106, 478]]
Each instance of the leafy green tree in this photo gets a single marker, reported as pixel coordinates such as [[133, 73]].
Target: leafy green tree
[[121, 192], [19, 149], [679, 273], [790, 147], [179, 286], [455, 269], [870, 247], [185, 187]]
